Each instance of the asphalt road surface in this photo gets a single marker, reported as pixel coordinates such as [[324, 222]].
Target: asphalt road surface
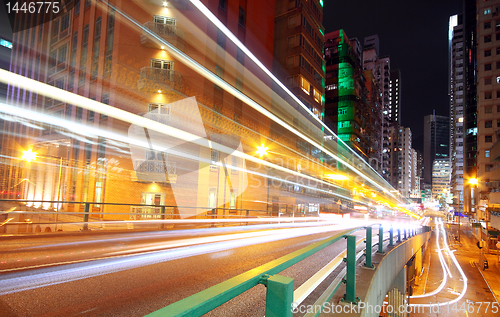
[[133, 274]]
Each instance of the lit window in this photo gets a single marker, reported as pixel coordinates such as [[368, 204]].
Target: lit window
[[461, 119], [316, 95], [487, 153], [305, 85]]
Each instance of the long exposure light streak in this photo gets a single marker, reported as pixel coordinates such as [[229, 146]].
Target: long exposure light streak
[[153, 125], [445, 276], [458, 267], [203, 9], [16, 282], [200, 69]]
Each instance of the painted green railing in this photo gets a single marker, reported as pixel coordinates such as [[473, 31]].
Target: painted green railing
[[280, 294]]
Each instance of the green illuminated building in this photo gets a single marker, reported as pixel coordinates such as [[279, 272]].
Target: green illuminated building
[[352, 104]]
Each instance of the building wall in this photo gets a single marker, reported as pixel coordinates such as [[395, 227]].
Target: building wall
[[488, 113], [110, 61], [380, 67], [440, 178], [347, 104], [436, 142], [456, 84], [470, 102], [405, 170], [298, 51]]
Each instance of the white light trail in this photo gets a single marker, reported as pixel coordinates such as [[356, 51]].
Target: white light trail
[[203, 9], [96, 106], [22, 281], [457, 265], [200, 69]]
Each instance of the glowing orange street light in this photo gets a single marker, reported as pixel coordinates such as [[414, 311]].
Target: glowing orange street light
[[473, 181], [261, 150], [29, 155]]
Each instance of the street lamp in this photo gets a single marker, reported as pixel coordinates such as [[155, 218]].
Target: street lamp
[[261, 150], [29, 155], [473, 181]]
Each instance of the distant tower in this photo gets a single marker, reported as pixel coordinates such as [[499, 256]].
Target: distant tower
[[456, 93], [381, 69], [395, 97], [436, 142]]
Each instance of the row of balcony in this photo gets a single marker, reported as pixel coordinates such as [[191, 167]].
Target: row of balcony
[[171, 33], [157, 79]]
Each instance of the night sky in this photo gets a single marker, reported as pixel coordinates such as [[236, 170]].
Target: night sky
[[415, 35]]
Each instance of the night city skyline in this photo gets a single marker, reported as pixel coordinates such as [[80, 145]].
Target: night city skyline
[[249, 158], [414, 35]]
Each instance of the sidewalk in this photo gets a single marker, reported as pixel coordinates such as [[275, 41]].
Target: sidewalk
[[491, 275]]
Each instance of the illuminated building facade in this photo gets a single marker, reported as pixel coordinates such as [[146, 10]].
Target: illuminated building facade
[[167, 108], [98, 52], [470, 97], [488, 95], [395, 96], [352, 107], [298, 51], [381, 67], [440, 178], [415, 177], [436, 142], [405, 161], [456, 92]]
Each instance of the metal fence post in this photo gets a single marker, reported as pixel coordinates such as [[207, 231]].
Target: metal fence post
[[213, 216], [350, 288], [86, 211], [380, 239], [391, 239], [279, 296], [368, 249], [399, 234], [162, 210]]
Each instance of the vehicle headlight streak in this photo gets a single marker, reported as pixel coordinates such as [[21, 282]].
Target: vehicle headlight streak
[[459, 268], [200, 69], [445, 276], [144, 122], [47, 90], [198, 4], [22, 281]]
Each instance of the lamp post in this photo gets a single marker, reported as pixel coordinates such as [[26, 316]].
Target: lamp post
[[29, 156], [262, 150], [474, 181]]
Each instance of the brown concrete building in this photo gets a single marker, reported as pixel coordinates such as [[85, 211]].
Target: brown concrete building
[[298, 51], [150, 60]]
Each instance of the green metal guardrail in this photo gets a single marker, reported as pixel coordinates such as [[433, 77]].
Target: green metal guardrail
[[279, 296]]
